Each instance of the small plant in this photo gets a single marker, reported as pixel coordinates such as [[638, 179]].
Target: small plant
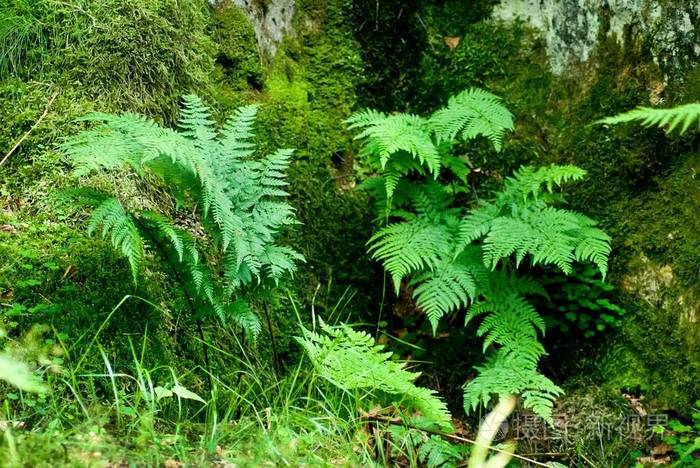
[[431, 450], [458, 257], [351, 360], [581, 303], [227, 251], [684, 439]]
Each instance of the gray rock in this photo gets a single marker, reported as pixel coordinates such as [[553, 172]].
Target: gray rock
[[571, 28], [271, 20]]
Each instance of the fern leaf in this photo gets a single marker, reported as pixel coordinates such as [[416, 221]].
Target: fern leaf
[[196, 121], [505, 375], [280, 261], [125, 236], [240, 312], [449, 286], [472, 113], [350, 359], [404, 248], [683, 116], [528, 182], [236, 138], [168, 231], [388, 135]]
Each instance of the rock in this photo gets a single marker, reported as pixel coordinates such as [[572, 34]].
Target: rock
[[271, 20], [572, 28]]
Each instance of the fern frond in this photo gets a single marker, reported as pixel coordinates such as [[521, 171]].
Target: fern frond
[[512, 323], [350, 359], [196, 121], [528, 182], [404, 248], [125, 236], [387, 135], [449, 286], [272, 172], [237, 195], [684, 116], [504, 375], [241, 313], [236, 137], [472, 113], [167, 230], [280, 261], [520, 223]]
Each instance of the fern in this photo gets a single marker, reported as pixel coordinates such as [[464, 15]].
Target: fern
[[450, 286], [398, 144], [350, 359], [522, 222], [240, 199], [683, 116], [506, 374], [455, 258]]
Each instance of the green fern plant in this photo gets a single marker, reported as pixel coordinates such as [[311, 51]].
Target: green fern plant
[[455, 258], [351, 359], [684, 116], [219, 257]]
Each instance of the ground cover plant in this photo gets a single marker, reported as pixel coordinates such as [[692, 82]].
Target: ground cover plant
[[348, 233]]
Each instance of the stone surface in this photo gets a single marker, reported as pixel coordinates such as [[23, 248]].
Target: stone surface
[[572, 28], [271, 20]]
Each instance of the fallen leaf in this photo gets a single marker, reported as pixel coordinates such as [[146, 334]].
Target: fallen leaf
[[661, 449], [452, 41], [8, 228]]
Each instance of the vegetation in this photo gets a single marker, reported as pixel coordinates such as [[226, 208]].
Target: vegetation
[[490, 271], [452, 256], [239, 198]]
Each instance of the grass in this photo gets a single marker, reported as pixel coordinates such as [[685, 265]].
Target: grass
[[136, 415]]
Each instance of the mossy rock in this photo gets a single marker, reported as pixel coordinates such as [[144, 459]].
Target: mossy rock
[[237, 51]]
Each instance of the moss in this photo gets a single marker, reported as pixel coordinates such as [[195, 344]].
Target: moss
[[59, 277], [134, 55], [237, 51], [404, 41], [106, 56], [309, 90]]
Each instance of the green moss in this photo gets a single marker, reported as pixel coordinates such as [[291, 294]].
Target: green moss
[[309, 90], [237, 52], [128, 55], [58, 277], [107, 56]]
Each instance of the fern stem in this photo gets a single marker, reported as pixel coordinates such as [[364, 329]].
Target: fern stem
[[207, 363], [188, 298], [275, 356]]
